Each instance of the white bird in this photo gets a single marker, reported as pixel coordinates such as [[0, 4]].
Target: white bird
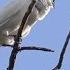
[[12, 14]]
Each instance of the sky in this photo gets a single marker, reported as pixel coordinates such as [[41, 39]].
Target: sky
[[51, 33]]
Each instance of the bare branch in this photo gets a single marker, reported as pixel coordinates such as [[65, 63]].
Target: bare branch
[[62, 53], [17, 38], [12, 59], [6, 45], [35, 48]]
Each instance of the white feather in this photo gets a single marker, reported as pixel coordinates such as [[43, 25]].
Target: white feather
[[12, 13]]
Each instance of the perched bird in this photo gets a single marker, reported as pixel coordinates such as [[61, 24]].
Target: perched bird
[[12, 13]]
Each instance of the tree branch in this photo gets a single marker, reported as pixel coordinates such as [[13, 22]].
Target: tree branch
[[62, 53], [35, 48], [18, 36], [16, 47]]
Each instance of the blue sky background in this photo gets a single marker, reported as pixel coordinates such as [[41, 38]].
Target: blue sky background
[[49, 33]]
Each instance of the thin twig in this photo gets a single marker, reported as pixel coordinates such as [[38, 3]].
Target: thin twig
[[62, 53], [17, 38], [12, 59], [19, 34], [6, 45], [35, 48]]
